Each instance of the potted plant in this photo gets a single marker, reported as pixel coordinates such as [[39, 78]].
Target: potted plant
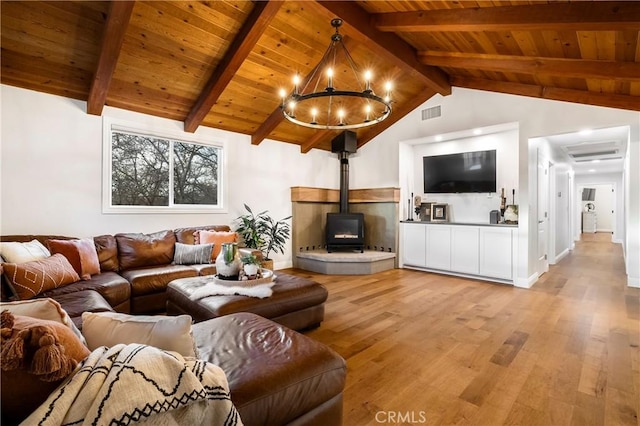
[[251, 265], [261, 232]]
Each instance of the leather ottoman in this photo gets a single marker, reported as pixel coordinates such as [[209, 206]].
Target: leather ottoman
[[276, 376], [296, 302]]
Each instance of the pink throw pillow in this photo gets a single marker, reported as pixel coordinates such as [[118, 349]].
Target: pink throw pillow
[[215, 237]]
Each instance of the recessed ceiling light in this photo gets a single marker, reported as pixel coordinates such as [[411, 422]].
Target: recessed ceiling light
[[438, 138], [585, 132], [595, 161], [592, 170], [477, 131]]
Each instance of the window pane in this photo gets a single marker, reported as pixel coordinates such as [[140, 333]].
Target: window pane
[[140, 170], [195, 174]]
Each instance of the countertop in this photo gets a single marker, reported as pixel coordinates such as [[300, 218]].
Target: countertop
[[505, 225]]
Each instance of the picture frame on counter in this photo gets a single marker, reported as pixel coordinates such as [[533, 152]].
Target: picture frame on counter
[[439, 212], [425, 212]]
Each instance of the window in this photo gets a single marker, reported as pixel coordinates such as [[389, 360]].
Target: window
[[149, 173]]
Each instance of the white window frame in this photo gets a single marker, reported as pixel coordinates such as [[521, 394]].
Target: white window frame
[[110, 124]]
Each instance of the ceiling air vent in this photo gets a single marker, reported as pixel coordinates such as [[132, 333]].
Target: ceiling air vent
[[592, 154], [433, 112]]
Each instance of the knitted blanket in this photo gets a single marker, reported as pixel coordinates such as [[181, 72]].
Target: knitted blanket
[[139, 384]]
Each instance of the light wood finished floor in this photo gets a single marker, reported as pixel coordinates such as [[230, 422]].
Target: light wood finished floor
[[430, 349]]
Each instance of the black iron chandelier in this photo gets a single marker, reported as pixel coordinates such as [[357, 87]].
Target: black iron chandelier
[[332, 108]]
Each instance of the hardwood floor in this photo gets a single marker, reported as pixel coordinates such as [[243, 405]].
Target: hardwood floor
[[430, 349]]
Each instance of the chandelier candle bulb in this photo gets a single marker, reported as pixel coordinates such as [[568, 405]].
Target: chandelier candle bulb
[[283, 95], [330, 79], [368, 111], [341, 116], [292, 107], [367, 79], [296, 82], [314, 113]]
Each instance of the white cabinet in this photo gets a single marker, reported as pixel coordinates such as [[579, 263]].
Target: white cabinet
[[465, 249], [414, 248], [439, 247], [589, 222], [482, 251], [496, 248]]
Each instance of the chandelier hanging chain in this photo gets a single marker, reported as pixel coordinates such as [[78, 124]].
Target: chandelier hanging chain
[[375, 110]]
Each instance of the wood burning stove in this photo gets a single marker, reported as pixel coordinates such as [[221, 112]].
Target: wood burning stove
[[344, 229]]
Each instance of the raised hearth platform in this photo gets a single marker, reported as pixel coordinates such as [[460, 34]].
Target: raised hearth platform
[[346, 262]]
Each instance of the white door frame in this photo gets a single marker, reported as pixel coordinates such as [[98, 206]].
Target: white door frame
[[578, 204], [542, 262]]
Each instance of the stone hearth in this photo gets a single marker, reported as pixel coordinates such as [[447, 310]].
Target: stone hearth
[[346, 262]]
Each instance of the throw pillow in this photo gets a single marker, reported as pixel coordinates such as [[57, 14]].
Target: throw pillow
[[215, 237], [44, 309], [111, 328], [187, 254], [32, 278], [80, 253], [107, 249], [14, 252], [37, 355]]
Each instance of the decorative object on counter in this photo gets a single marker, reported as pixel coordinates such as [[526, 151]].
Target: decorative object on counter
[[228, 262], [439, 212], [511, 214], [409, 215], [417, 202], [425, 212], [494, 217], [503, 204], [251, 265]]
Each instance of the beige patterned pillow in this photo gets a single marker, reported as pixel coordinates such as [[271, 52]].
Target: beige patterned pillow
[[29, 279]]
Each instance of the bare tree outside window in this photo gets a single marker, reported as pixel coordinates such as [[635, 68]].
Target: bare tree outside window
[[142, 172], [195, 174]]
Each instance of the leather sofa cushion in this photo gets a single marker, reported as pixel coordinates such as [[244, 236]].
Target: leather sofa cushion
[[275, 374], [185, 235], [205, 269], [107, 249], [114, 288], [82, 301], [156, 278], [138, 250]]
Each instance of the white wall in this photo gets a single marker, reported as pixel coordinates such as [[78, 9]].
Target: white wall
[[51, 177], [471, 208], [563, 211], [632, 206], [466, 109]]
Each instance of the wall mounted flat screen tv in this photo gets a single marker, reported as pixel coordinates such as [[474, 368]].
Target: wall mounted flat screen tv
[[459, 173]]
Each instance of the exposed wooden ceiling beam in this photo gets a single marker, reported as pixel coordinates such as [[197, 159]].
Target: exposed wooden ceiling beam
[[396, 115], [578, 68], [390, 46], [597, 15], [114, 30], [255, 25], [318, 137], [610, 100]]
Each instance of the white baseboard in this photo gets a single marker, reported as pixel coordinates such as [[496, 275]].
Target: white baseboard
[[617, 241], [562, 255], [610, 231], [633, 282], [526, 282]]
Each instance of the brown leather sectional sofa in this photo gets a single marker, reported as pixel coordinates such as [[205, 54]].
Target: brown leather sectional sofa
[[276, 375]]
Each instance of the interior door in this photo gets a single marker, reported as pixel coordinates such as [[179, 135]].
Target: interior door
[[543, 213]]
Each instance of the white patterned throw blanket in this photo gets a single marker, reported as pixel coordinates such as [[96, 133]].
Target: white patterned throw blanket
[[143, 385]]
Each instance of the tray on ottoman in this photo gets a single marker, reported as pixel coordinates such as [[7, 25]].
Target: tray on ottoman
[[296, 302]]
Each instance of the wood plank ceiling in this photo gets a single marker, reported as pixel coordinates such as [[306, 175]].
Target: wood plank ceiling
[[221, 63]]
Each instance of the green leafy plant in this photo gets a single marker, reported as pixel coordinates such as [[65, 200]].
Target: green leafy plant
[[250, 259], [261, 232]]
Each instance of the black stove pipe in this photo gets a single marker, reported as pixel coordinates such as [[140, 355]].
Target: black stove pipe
[[344, 144], [344, 182]]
